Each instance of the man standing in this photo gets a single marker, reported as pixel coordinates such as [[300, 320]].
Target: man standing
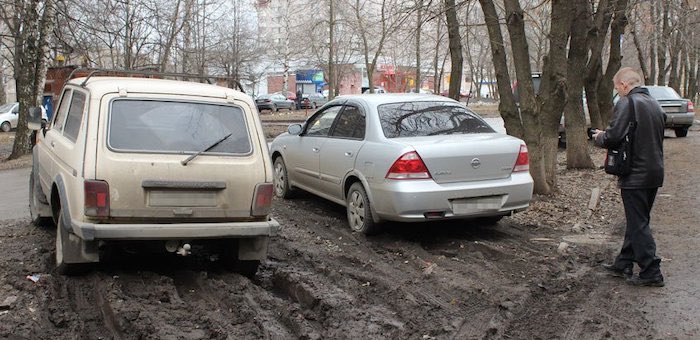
[[639, 187]]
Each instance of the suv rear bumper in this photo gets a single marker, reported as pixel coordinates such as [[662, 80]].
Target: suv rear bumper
[[91, 231]]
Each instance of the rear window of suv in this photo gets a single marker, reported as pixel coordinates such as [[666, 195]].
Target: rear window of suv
[[415, 119], [176, 127]]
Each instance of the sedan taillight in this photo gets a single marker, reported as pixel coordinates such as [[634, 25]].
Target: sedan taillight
[[691, 107], [96, 198], [523, 161], [408, 166], [262, 200]]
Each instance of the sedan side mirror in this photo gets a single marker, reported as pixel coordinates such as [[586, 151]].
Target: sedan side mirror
[[34, 119], [294, 129]]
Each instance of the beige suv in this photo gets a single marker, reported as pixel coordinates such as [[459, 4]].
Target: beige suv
[[136, 159]]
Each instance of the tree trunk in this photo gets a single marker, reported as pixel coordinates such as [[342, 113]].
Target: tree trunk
[[662, 47], [596, 41], [531, 126], [506, 106], [653, 46], [576, 138], [419, 25], [552, 96], [455, 43], [31, 49], [605, 88], [641, 57]]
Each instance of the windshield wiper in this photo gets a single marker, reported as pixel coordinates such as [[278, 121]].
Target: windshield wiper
[[205, 150]]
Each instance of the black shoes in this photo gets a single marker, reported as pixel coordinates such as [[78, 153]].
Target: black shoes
[[657, 281], [618, 272]]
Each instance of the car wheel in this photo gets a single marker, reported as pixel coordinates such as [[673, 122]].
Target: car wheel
[[34, 191], [282, 187], [274, 109], [5, 127], [359, 210], [681, 131], [63, 247]]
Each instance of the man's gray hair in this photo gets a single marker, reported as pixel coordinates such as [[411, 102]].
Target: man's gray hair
[[629, 76]]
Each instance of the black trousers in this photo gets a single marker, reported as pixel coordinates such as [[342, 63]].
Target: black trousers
[[639, 245]]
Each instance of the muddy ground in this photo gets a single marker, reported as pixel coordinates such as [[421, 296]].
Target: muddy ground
[[535, 275]]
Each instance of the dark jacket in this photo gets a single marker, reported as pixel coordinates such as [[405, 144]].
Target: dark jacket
[[647, 169]]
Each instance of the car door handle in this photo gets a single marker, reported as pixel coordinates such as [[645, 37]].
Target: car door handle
[[348, 153], [316, 149]]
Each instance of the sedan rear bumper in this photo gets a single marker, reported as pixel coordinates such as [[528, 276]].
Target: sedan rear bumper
[[422, 200], [679, 119], [91, 231]]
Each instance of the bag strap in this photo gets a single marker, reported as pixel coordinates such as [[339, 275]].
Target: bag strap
[[633, 116]]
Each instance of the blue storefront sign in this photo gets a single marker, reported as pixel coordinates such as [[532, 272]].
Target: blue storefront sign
[[309, 81]]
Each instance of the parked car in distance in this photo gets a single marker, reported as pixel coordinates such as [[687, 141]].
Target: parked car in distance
[[178, 165], [680, 112], [377, 89], [287, 94], [273, 102], [312, 100], [403, 157], [9, 115]]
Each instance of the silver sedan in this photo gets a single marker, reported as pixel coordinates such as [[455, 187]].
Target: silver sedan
[[403, 157]]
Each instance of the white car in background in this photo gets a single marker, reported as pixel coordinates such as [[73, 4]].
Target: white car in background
[[403, 157], [9, 115]]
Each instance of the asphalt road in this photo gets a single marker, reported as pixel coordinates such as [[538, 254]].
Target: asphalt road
[[14, 201]]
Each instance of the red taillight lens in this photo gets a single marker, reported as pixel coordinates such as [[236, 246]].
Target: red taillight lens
[[96, 198], [408, 166], [262, 201], [691, 107], [523, 162]]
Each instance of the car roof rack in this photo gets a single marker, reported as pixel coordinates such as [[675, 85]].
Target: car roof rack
[[90, 72]]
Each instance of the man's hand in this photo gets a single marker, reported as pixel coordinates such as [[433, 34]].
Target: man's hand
[[596, 132]]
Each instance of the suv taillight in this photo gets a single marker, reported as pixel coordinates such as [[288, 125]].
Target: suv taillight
[[96, 198], [262, 200], [408, 166], [691, 107], [523, 161]]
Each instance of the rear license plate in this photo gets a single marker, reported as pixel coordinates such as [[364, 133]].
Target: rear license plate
[[176, 198], [672, 109], [472, 205]]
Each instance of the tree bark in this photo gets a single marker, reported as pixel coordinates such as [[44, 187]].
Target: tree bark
[[31, 50], [662, 46], [576, 138], [605, 89], [531, 126], [455, 43], [596, 41], [552, 96]]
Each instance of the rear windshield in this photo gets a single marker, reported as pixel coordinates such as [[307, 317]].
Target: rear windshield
[[661, 93], [414, 119], [176, 127]]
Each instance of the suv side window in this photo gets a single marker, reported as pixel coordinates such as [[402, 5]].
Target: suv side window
[[321, 124], [350, 124], [75, 116], [60, 117]]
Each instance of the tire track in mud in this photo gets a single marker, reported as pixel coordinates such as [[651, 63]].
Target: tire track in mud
[[378, 261]]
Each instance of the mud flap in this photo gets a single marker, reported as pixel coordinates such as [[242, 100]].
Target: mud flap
[[254, 248]]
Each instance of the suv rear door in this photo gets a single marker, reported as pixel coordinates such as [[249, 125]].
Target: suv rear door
[[143, 153]]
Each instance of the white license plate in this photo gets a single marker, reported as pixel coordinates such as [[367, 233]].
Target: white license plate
[[472, 205]]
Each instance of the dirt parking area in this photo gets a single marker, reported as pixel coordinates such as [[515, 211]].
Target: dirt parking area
[[534, 275]]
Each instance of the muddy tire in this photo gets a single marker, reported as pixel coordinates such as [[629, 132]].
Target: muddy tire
[[282, 187], [34, 203], [5, 127], [681, 131], [62, 248], [359, 210]]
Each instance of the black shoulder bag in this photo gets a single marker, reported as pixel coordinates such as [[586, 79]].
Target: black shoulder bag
[[618, 161]]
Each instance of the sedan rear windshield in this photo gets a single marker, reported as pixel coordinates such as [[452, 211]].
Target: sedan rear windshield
[[662, 92], [415, 119], [176, 127]]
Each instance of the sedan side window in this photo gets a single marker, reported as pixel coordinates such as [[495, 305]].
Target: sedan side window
[[350, 124], [320, 125]]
